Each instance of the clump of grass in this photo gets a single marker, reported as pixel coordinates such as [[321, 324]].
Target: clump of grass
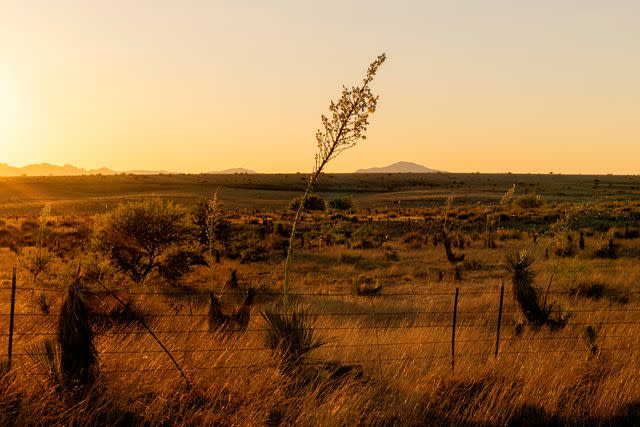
[[564, 248], [590, 337], [596, 290], [291, 336], [366, 286], [44, 303], [606, 249], [392, 256], [349, 258]]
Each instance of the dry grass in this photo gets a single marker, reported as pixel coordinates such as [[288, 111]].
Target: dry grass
[[389, 359]]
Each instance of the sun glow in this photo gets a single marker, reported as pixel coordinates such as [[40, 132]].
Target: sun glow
[[7, 99]]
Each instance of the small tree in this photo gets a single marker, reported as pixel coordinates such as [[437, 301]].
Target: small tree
[[136, 235]]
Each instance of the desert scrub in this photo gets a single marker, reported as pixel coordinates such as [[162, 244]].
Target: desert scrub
[[134, 236], [36, 260], [312, 202], [343, 203]]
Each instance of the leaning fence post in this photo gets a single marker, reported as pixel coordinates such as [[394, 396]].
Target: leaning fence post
[[11, 316], [453, 330], [499, 317]]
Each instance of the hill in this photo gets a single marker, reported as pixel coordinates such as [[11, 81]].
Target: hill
[[399, 167], [232, 171]]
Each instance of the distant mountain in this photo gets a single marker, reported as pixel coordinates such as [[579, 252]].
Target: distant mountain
[[46, 169], [232, 171], [400, 167]]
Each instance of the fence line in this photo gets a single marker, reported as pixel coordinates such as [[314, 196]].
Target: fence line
[[388, 320]]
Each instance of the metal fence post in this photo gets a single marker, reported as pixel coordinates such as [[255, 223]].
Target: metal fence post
[[499, 317], [453, 330], [11, 316]]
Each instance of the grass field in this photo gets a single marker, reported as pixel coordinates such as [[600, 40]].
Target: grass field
[[379, 284]]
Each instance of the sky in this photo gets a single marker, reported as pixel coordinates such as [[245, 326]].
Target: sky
[[194, 85]]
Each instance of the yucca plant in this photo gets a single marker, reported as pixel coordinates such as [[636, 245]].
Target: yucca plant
[[343, 129], [291, 336], [78, 356], [519, 265], [46, 357]]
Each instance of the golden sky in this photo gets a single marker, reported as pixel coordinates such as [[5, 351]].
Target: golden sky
[[195, 85]]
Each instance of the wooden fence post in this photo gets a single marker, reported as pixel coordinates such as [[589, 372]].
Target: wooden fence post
[[11, 317], [499, 317], [453, 330]]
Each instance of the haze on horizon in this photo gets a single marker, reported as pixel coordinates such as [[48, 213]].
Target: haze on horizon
[[194, 86]]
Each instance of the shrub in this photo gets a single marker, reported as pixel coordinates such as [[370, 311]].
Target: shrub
[[36, 260], [211, 225], [530, 201], [135, 235], [343, 203], [179, 261], [313, 202], [247, 248], [368, 236]]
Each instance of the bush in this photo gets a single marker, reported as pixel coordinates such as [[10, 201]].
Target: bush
[[36, 260], [179, 261], [368, 236], [341, 203], [312, 203], [210, 223], [530, 201], [136, 235]]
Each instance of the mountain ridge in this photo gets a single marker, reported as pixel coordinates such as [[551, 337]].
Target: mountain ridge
[[48, 169]]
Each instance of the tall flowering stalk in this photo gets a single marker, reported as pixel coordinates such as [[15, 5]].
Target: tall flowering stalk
[[346, 125]]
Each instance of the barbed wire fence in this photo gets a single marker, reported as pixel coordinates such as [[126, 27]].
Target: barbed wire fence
[[496, 326]]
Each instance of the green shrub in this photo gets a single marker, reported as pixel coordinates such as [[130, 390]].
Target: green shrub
[[136, 235], [36, 260], [312, 203], [343, 203], [179, 261]]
